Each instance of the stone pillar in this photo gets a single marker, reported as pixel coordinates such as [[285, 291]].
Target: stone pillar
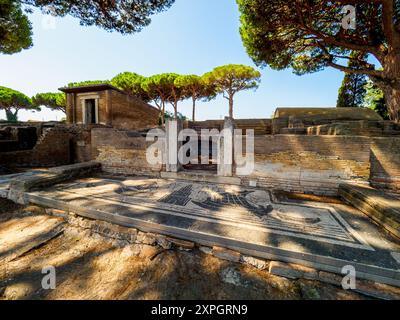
[[225, 149], [172, 145], [70, 108], [108, 108]]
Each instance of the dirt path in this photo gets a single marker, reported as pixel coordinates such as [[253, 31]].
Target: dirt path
[[90, 267]]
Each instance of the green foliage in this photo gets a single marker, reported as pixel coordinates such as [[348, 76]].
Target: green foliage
[[170, 115], [306, 36], [352, 91], [196, 88], [15, 28], [232, 78], [54, 101], [87, 83], [12, 101], [131, 83], [375, 100], [124, 16]]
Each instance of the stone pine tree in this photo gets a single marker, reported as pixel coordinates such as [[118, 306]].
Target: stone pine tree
[[352, 90], [11, 101], [195, 88], [124, 16], [231, 79], [15, 28], [131, 83], [158, 88], [311, 35], [52, 100], [375, 100]]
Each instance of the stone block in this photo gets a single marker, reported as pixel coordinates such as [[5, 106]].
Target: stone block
[[292, 271], [163, 242], [255, 262], [146, 238], [226, 254], [187, 245], [330, 278], [206, 250]]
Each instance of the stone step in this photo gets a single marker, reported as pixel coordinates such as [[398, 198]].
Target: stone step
[[200, 176], [381, 207]]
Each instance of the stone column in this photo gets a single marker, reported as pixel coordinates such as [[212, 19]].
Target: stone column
[[225, 149], [108, 108], [172, 145], [70, 108]]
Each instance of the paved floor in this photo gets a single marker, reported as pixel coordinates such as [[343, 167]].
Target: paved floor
[[250, 220]]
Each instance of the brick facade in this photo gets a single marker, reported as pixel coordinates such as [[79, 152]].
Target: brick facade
[[122, 152], [113, 108]]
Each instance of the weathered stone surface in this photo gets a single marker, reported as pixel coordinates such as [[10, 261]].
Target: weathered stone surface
[[41, 230], [381, 207], [206, 250], [258, 263], [232, 276], [330, 278], [56, 212], [163, 242], [377, 290], [183, 244], [146, 238], [292, 271], [226, 254]]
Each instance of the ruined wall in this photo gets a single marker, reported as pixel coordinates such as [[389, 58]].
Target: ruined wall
[[292, 120], [357, 128], [122, 152], [310, 164], [80, 143], [260, 126], [52, 149], [385, 163]]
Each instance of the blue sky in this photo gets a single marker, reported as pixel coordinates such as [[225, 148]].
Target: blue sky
[[194, 36]]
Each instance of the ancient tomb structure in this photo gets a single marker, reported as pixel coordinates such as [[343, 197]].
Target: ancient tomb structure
[[103, 104]]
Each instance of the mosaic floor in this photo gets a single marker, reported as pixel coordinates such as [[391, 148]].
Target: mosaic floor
[[253, 220]]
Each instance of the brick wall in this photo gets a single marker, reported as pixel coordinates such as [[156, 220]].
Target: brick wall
[[310, 164], [260, 126], [52, 149], [131, 113], [385, 163], [122, 152]]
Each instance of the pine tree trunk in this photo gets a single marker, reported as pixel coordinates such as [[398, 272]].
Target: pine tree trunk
[[176, 110], [391, 88], [231, 106], [12, 116], [194, 110], [392, 98], [163, 113]]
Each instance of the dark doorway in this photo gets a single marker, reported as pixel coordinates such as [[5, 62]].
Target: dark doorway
[[208, 165], [90, 106]]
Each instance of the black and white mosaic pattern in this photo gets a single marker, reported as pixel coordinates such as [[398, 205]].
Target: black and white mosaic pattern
[[251, 209]]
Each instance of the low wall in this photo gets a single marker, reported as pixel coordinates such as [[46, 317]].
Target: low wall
[[385, 163], [260, 126], [122, 152], [310, 164], [52, 149]]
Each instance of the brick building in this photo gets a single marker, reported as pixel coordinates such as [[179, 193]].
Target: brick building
[[104, 104]]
